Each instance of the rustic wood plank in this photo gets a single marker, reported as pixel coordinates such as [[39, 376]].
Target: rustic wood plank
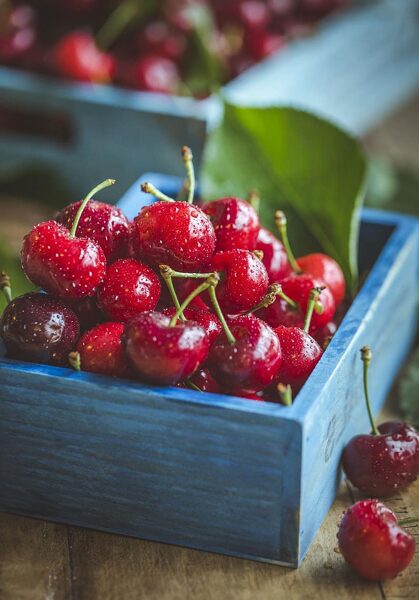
[[34, 560]]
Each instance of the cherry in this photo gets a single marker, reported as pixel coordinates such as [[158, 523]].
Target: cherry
[[178, 234], [203, 381], [38, 328], [100, 350], [261, 44], [151, 73], [253, 15], [205, 318], [385, 461], [18, 34], [60, 263], [160, 39], [76, 56], [103, 223], [88, 312], [298, 288], [300, 352], [247, 394], [326, 269], [129, 287], [325, 334], [162, 352], [274, 256], [247, 355], [236, 223], [373, 542], [244, 280]]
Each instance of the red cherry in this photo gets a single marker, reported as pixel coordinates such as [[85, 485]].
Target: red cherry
[[252, 361], [103, 223], [101, 350], [298, 288], [178, 234], [18, 35], [385, 461], [62, 265], [244, 280], [203, 380], [183, 288], [274, 256], [160, 39], [235, 222], [88, 312], [373, 543], [300, 354], [154, 74], [39, 328], [324, 335], [129, 287], [161, 353], [253, 15], [326, 269], [206, 319], [77, 57], [261, 44]]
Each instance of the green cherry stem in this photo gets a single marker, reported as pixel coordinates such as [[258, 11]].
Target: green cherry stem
[[281, 225], [285, 393], [313, 298], [74, 361], [366, 356], [124, 14], [213, 296], [179, 274], [279, 292], [190, 172], [192, 386], [408, 521], [253, 199], [165, 272], [5, 286], [149, 188], [212, 280], [95, 190], [266, 301]]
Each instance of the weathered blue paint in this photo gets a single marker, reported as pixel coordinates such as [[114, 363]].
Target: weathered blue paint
[[208, 471]]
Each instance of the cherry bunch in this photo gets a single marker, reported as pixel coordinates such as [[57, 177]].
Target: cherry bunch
[[150, 45], [202, 297]]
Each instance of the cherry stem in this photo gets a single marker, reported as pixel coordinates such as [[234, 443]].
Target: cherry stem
[[118, 21], [408, 521], [213, 296], [212, 280], [95, 190], [192, 386], [266, 301], [149, 188], [74, 361], [190, 172], [366, 356], [165, 272], [281, 225], [285, 393], [253, 199], [258, 254], [5, 286], [279, 292], [313, 298], [173, 273]]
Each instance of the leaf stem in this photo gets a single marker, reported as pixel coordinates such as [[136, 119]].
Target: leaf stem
[[95, 190], [190, 172], [5, 286], [281, 224], [149, 188], [366, 356], [213, 296]]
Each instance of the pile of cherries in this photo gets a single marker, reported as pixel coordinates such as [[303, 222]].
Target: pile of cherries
[[150, 45]]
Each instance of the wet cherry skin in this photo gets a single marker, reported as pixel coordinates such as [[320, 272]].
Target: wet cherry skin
[[205, 318], [274, 256], [103, 223], [77, 57], [39, 328], [381, 465], [252, 362], [373, 543], [174, 233], [162, 354], [300, 354], [65, 266], [235, 222], [323, 267], [129, 287], [101, 350]]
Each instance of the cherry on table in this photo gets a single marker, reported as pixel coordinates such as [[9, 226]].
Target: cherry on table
[[373, 542]]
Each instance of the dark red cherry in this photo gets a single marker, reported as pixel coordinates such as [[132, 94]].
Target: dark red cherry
[[18, 34], [101, 350], [103, 223], [244, 280], [162, 353], [178, 234], [129, 287], [39, 328], [158, 38], [154, 74], [373, 542], [252, 361], [300, 354], [261, 44], [325, 334], [253, 15], [298, 288], [324, 268], [274, 256], [204, 381], [385, 461], [235, 222], [77, 57], [88, 312], [205, 318], [62, 265]]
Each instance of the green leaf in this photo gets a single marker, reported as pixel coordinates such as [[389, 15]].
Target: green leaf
[[299, 163]]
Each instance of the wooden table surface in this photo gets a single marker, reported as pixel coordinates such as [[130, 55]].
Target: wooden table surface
[[46, 561]]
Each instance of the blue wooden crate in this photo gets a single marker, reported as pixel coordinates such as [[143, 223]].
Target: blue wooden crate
[[213, 472]]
